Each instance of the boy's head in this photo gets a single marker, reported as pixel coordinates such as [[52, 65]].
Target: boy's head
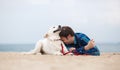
[[65, 31], [67, 35]]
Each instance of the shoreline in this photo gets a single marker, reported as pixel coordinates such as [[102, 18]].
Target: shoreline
[[18, 61]]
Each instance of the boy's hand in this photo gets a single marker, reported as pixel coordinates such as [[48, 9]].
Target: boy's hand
[[90, 45], [72, 49]]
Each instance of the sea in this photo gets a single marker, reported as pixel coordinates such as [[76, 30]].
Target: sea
[[104, 47]]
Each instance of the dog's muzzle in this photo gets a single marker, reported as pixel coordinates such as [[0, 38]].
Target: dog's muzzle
[[59, 29]]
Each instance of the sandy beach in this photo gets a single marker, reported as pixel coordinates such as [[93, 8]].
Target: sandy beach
[[17, 61]]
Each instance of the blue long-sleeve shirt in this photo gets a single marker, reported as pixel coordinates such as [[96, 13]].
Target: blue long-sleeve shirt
[[80, 41]]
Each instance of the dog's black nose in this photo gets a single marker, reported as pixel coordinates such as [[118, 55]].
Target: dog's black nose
[[59, 26]]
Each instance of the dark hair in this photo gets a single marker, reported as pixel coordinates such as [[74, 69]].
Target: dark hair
[[65, 31]]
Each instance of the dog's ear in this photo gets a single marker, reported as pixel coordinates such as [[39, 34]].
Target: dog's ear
[[46, 35]]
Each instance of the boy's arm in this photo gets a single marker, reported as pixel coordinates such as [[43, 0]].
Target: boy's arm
[[89, 43]]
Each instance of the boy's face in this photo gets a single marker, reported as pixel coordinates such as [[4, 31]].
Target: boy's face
[[68, 40]]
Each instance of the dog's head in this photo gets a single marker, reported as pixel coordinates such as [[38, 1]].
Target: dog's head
[[53, 32]]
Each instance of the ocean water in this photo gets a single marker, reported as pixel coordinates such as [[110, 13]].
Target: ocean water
[[27, 47], [16, 47]]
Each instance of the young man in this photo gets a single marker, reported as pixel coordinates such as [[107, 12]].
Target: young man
[[78, 43]]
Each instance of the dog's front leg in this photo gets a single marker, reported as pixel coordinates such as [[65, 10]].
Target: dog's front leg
[[66, 50]]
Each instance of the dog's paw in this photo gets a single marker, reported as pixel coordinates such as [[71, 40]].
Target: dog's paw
[[70, 54]]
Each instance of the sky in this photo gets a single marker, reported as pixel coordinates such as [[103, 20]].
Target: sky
[[26, 21]]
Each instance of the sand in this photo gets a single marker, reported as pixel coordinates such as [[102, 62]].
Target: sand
[[18, 61]]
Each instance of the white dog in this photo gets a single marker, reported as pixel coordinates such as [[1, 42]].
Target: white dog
[[51, 44]]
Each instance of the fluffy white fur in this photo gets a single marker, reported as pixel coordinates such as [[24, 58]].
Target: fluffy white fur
[[51, 44]]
